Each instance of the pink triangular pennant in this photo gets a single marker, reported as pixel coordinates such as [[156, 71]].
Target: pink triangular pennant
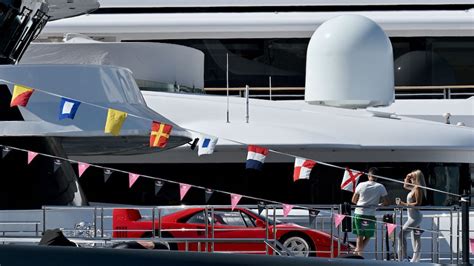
[[472, 245], [286, 209], [31, 156], [183, 189], [338, 219], [234, 200], [82, 167], [132, 178], [390, 228]]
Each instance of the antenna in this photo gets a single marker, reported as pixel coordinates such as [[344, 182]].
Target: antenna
[[247, 102], [227, 84]]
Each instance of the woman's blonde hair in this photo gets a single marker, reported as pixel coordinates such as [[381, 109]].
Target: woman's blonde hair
[[419, 180]]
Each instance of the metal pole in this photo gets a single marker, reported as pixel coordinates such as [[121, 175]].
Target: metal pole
[[212, 228], [433, 257], [227, 85], [458, 235], [95, 222], [270, 86], [153, 222], [266, 229], [207, 227], [102, 222], [332, 232], [465, 201], [437, 242], [400, 251], [44, 219], [451, 234], [159, 222], [247, 103]]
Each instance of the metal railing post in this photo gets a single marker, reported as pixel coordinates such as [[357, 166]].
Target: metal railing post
[[274, 222], [159, 222], [95, 222], [437, 241], [266, 229], [332, 231], [433, 241], [102, 222], [400, 251], [458, 235], [451, 235], [206, 217], [44, 219], [153, 234], [212, 229]]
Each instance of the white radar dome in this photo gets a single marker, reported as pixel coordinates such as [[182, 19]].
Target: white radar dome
[[349, 64]]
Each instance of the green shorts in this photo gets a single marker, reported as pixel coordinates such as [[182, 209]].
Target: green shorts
[[363, 225]]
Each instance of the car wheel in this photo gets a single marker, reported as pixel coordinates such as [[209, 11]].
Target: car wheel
[[298, 246]]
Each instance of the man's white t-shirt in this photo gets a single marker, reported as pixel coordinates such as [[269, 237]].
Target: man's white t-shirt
[[370, 193]]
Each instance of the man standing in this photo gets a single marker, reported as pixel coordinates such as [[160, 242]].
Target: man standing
[[367, 195]]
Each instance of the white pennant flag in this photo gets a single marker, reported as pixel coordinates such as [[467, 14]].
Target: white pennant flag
[[206, 145]]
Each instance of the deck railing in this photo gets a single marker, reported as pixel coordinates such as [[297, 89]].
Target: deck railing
[[401, 92], [92, 226]]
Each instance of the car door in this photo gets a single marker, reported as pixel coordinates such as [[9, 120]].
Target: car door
[[236, 224], [193, 229]]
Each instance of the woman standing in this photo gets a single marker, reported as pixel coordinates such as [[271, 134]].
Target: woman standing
[[412, 182]]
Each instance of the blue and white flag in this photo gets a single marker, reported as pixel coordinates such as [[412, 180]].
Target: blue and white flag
[[256, 157], [206, 145], [68, 108]]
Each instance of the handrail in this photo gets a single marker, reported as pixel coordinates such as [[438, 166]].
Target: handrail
[[437, 87]]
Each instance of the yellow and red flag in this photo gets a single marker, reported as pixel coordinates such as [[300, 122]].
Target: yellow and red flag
[[115, 119], [160, 133], [21, 95]]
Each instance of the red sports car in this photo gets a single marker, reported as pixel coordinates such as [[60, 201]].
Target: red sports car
[[239, 224]]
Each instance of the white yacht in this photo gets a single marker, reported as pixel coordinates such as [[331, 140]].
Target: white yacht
[[355, 138]]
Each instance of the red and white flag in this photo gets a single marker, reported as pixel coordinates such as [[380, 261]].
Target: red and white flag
[[303, 168], [234, 200], [132, 178], [350, 179], [183, 189], [31, 156], [82, 167]]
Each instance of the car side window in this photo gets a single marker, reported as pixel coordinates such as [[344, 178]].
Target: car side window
[[250, 221], [197, 218], [232, 218]]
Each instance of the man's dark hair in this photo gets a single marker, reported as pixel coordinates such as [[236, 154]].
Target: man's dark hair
[[373, 171]]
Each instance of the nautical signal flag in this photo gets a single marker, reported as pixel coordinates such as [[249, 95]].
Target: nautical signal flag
[[115, 119], [21, 95], [350, 179], [68, 108], [256, 157], [303, 168], [160, 133], [206, 145]]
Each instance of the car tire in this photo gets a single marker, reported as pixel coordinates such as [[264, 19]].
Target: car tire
[[299, 245]]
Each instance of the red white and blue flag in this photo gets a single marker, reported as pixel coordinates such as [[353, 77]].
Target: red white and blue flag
[[303, 168], [256, 157]]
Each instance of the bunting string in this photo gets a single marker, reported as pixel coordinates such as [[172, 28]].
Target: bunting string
[[245, 144], [184, 188]]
